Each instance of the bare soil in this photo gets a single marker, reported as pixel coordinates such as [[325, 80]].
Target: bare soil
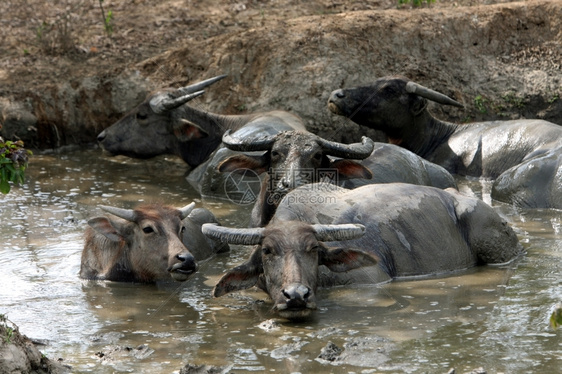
[[64, 76]]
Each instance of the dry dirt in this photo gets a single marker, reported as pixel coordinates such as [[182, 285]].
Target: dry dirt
[[63, 78]]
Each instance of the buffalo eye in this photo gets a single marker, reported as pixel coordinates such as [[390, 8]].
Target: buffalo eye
[[147, 229], [313, 249], [182, 230], [266, 250], [318, 156], [141, 116], [275, 154]]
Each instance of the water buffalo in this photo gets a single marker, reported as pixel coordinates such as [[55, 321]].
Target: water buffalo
[[165, 124], [152, 242], [291, 159], [406, 230], [533, 183], [294, 158], [397, 107]]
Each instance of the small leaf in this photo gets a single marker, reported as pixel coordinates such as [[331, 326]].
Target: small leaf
[[4, 186], [556, 317]]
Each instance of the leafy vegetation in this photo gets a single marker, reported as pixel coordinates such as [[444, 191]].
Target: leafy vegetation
[[7, 331], [107, 19], [480, 103], [13, 162], [556, 317]]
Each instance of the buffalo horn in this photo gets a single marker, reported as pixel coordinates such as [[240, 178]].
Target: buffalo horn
[[263, 143], [163, 102], [184, 212], [199, 86], [422, 91], [127, 214], [233, 236], [346, 231], [357, 151]]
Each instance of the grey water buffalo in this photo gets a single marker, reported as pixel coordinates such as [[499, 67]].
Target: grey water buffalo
[[294, 158], [397, 107], [370, 234], [211, 183], [165, 124], [150, 243], [291, 159], [536, 182]]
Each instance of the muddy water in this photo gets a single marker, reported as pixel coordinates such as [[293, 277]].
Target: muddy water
[[491, 317]]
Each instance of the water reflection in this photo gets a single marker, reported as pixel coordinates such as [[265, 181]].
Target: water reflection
[[494, 317]]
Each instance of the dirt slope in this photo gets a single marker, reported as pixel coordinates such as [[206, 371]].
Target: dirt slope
[[501, 60]]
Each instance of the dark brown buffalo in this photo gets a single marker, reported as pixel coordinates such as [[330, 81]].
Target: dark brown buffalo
[[147, 244], [405, 229], [398, 107]]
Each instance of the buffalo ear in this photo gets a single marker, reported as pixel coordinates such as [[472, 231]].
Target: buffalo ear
[[418, 105], [340, 260], [240, 163], [241, 277], [350, 169], [188, 131], [105, 227]]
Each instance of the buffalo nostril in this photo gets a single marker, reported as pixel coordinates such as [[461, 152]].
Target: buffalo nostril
[[101, 136], [296, 292], [340, 94]]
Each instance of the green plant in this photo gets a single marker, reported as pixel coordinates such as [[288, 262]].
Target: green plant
[[415, 2], [8, 331], [513, 100], [556, 317], [553, 98], [480, 103], [107, 19], [13, 162]]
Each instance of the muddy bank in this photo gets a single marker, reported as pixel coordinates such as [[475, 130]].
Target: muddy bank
[[501, 61], [18, 354]]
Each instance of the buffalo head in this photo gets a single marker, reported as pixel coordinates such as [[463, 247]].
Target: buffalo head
[[295, 158], [389, 104], [160, 125], [144, 244], [285, 261]]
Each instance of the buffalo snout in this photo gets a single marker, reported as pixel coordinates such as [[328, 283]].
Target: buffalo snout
[[298, 301], [101, 136], [335, 97], [184, 266]]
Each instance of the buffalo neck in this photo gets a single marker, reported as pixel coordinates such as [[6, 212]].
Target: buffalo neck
[[427, 135], [212, 123]]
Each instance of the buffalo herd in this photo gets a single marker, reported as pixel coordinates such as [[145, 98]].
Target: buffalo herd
[[327, 213]]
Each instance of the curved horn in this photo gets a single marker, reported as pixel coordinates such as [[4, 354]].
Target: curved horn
[[422, 91], [128, 214], [200, 85], [232, 235], [164, 102], [263, 143], [357, 151], [184, 212], [346, 231]]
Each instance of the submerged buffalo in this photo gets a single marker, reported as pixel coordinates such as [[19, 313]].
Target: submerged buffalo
[[150, 243], [397, 107], [165, 124], [385, 231], [295, 158], [291, 159]]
